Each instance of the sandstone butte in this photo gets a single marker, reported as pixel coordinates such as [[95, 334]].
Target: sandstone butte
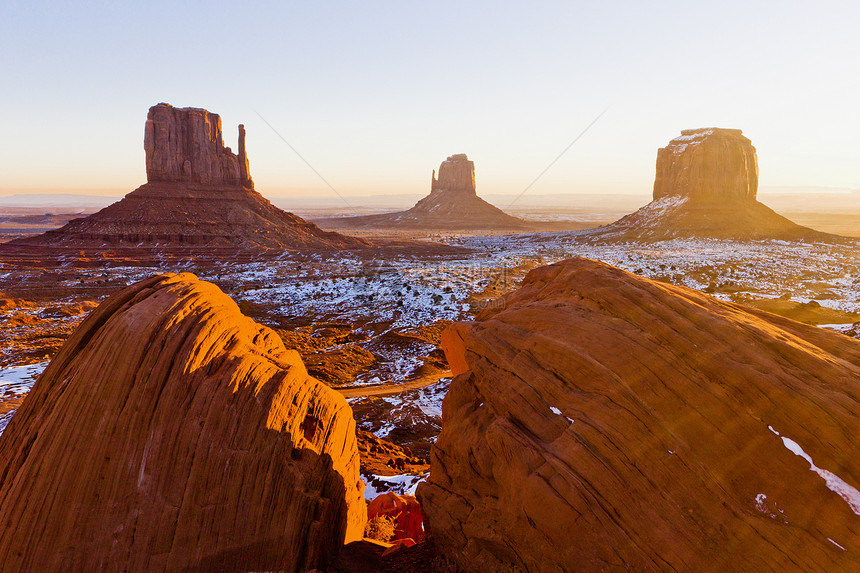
[[452, 204], [198, 193], [172, 433], [705, 186], [602, 421]]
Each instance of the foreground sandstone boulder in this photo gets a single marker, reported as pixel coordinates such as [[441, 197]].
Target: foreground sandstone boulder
[[173, 433], [603, 421], [705, 187]]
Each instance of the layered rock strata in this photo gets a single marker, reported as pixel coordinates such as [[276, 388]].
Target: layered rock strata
[[456, 174], [705, 187], [185, 145], [599, 420], [711, 164], [171, 433]]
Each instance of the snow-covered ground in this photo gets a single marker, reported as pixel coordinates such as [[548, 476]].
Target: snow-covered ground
[[419, 409], [403, 484], [378, 296], [4, 420], [396, 362], [401, 291], [17, 381], [827, 273]]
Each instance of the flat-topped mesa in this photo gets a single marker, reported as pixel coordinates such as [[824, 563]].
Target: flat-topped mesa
[[711, 163], [185, 145], [456, 173]]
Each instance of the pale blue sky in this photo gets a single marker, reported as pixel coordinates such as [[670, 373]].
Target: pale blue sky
[[376, 94]]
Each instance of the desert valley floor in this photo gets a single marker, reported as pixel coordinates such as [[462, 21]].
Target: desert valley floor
[[370, 327]]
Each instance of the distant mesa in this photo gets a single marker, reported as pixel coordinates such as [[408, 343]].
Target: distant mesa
[[705, 186], [456, 174], [599, 421], [172, 433], [198, 193], [453, 204], [710, 164]]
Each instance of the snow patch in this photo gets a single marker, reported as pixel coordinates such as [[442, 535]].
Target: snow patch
[[403, 484], [682, 142], [17, 381], [834, 483], [5, 419]]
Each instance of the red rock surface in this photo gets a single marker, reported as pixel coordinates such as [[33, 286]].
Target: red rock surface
[[405, 509], [190, 214], [173, 433], [369, 556], [451, 204], [185, 144], [705, 186], [456, 174], [709, 163], [198, 194], [604, 421]]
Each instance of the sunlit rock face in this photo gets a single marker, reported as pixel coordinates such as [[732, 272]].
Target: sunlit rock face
[[185, 144], [705, 187], [172, 433], [711, 164], [602, 421], [456, 174]]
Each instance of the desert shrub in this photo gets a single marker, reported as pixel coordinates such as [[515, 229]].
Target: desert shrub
[[381, 528]]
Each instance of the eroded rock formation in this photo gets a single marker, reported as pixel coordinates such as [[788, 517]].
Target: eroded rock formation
[[456, 174], [199, 194], [711, 164], [185, 144], [182, 215], [453, 203], [705, 187], [600, 420], [171, 433]]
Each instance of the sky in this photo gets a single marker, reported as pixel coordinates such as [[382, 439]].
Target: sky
[[374, 95]]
